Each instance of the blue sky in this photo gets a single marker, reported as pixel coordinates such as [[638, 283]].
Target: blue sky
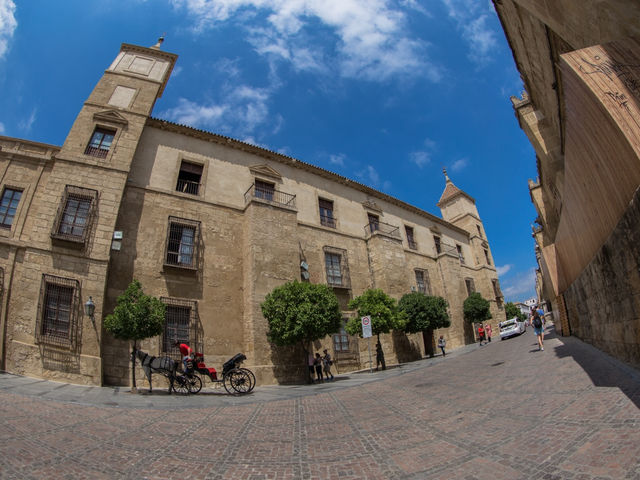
[[386, 92]]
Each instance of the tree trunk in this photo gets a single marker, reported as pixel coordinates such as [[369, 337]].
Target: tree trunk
[[380, 355], [309, 373], [134, 388], [427, 336]]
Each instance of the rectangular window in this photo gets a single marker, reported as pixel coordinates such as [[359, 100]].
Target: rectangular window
[[57, 310], [189, 178], [182, 243], [341, 340], [180, 325], [75, 214], [334, 273], [460, 254], [422, 282], [100, 142], [9, 206], [486, 255], [374, 222], [470, 286], [326, 213], [265, 190], [436, 241], [479, 230], [410, 240]]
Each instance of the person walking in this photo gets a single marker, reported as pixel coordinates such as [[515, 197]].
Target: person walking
[[441, 344], [487, 330], [318, 365], [380, 357], [481, 333], [538, 328], [326, 365]]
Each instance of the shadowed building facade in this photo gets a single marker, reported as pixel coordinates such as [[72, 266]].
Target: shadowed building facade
[[580, 63], [210, 225]]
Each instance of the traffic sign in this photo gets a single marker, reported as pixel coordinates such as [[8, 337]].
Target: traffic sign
[[366, 327]]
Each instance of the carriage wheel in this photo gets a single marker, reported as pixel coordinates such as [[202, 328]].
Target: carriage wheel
[[237, 381], [252, 377], [195, 383], [181, 385]]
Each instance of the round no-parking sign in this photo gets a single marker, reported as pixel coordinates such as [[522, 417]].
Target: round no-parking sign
[[366, 327]]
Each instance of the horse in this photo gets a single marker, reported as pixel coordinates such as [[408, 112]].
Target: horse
[[162, 365]]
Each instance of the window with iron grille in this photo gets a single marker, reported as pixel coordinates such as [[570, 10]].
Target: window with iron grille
[[436, 241], [326, 213], [182, 243], [460, 254], [374, 222], [189, 178], [470, 286], [264, 190], [75, 214], [57, 310], [100, 142], [180, 325], [335, 260], [9, 206], [422, 282], [341, 340], [410, 239]]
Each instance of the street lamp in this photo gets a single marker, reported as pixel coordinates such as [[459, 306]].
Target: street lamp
[[90, 308]]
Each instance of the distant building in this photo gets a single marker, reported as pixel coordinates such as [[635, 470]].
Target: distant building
[[210, 225], [580, 63]]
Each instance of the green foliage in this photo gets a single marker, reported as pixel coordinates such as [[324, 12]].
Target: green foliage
[[424, 312], [137, 316], [383, 310], [511, 311], [301, 312], [476, 308]]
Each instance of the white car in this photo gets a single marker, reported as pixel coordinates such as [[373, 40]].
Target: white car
[[511, 327]]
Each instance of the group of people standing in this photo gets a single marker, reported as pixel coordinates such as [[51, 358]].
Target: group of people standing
[[319, 365], [484, 333]]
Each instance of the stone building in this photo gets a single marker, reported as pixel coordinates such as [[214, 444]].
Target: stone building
[[580, 62], [209, 225]]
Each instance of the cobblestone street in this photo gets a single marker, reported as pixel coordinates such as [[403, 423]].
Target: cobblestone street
[[500, 411]]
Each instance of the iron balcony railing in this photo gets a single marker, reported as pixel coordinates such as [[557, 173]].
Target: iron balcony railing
[[383, 228], [187, 186], [270, 195], [327, 221]]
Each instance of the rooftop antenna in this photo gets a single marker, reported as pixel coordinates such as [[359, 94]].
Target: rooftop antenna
[[444, 170]]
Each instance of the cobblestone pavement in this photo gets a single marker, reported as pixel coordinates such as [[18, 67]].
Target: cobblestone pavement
[[500, 411]]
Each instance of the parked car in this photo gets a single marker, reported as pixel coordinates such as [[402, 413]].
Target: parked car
[[511, 327]]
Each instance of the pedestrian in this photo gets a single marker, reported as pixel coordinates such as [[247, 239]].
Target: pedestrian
[[326, 365], [538, 329], [442, 343], [487, 330], [318, 365], [481, 333], [311, 363], [380, 357]]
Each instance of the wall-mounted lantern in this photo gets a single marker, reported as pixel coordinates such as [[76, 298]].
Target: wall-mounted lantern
[[90, 308]]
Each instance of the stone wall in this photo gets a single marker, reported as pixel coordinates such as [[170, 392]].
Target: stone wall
[[603, 304]]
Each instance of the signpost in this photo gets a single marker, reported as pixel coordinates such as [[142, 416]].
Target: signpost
[[367, 333]]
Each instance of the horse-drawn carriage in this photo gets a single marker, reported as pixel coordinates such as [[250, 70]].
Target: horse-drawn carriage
[[236, 379]]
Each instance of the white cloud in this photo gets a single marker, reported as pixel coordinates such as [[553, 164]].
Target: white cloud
[[26, 124], [2, 130], [370, 38], [471, 17], [8, 24], [420, 158], [520, 286], [337, 159], [503, 269], [459, 164]]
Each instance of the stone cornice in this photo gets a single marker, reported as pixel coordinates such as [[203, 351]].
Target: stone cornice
[[293, 162]]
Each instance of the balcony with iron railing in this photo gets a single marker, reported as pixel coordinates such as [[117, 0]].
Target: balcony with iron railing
[[327, 221], [188, 186], [380, 228], [270, 196]]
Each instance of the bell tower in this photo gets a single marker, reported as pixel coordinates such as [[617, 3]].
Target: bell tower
[[107, 129]]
